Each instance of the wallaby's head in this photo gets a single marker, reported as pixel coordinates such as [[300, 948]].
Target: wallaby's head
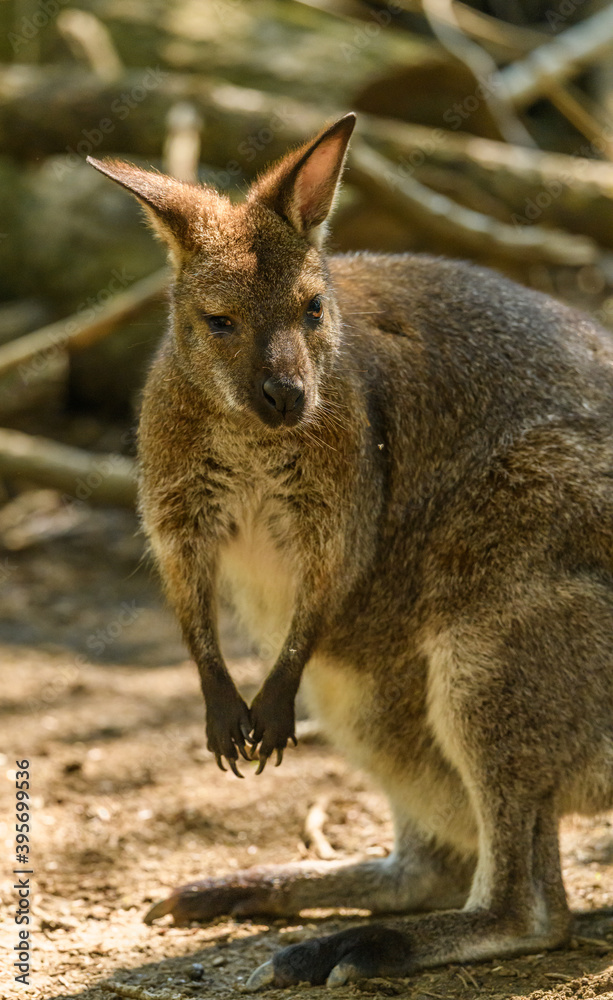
[[254, 316]]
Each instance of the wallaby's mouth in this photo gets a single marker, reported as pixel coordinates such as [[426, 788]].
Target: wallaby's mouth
[[280, 401]]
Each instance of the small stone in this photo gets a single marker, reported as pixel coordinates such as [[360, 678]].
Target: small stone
[[219, 960], [73, 765], [196, 971]]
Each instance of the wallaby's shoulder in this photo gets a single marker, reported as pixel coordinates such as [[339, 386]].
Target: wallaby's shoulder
[[469, 317]]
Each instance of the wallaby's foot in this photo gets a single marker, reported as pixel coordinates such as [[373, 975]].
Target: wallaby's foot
[[376, 950], [357, 953], [239, 894], [419, 879]]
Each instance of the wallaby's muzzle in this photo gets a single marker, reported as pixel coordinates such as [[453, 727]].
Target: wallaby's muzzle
[[281, 400]]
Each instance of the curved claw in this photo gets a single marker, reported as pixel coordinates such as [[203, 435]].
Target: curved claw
[[264, 975], [243, 752], [262, 764], [279, 756], [219, 760], [159, 909], [234, 768]]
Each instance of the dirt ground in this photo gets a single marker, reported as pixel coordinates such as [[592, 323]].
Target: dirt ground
[[97, 693]]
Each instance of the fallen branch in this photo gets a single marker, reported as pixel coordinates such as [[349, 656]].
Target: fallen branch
[[415, 202], [241, 118], [74, 332], [314, 835], [94, 478], [142, 992]]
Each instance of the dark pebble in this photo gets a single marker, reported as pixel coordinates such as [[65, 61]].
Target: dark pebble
[[196, 971]]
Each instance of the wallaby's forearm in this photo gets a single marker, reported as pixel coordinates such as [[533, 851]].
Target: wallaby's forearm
[[272, 712], [189, 575]]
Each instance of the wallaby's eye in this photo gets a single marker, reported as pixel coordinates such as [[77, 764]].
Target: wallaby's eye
[[315, 309], [219, 324]]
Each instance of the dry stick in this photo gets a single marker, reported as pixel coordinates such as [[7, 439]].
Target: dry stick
[[74, 332], [181, 154], [417, 203], [314, 835], [96, 478], [512, 40], [442, 19], [533, 169], [141, 992], [245, 111], [579, 110], [559, 59]]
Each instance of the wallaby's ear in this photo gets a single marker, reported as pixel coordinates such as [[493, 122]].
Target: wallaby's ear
[[302, 186], [174, 209]]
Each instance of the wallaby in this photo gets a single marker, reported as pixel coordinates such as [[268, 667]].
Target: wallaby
[[404, 466]]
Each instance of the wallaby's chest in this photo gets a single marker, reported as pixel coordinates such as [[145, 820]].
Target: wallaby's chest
[[259, 567]]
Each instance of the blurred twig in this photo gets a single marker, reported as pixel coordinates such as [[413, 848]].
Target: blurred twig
[[182, 146], [562, 57], [579, 110], [314, 835], [98, 479], [443, 21], [90, 40], [74, 332], [416, 202], [507, 40]]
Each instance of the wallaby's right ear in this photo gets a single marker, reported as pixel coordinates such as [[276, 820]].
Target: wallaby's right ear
[[174, 209], [302, 187]]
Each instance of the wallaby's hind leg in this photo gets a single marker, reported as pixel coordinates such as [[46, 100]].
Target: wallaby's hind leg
[[517, 905], [415, 877]]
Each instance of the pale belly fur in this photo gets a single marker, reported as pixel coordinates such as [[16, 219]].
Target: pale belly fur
[[260, 580]]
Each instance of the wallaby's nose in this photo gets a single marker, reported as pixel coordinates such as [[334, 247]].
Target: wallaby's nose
[[284, 395]]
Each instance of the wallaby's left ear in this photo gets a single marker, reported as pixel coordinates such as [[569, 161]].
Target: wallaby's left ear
[[303, 185], [175, 210]]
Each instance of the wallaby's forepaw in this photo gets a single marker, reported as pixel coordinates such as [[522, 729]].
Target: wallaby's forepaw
[[357, 953], [237, 895], [227, 728], [273, 723]]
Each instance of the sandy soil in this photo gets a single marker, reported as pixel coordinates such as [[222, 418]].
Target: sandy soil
[[98, 695]]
